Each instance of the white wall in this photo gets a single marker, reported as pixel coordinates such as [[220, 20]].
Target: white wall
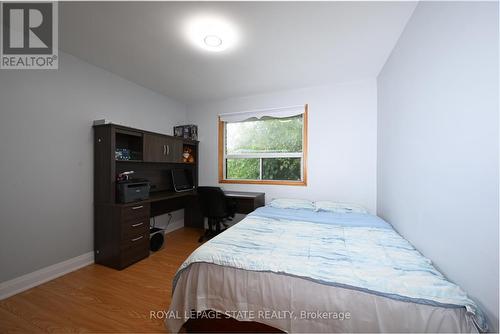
[[438, 142], [342, 141], [46, 156]]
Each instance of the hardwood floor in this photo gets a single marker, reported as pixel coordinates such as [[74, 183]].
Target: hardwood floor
[[99, 299]]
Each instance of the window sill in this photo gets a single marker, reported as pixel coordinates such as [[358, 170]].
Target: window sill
[[269, 182]]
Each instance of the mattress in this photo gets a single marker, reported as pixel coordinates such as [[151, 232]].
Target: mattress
[[304, 271]]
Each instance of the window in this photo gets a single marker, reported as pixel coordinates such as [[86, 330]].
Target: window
[[266, 147]]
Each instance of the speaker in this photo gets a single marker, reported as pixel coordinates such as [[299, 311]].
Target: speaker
[[156, 238]]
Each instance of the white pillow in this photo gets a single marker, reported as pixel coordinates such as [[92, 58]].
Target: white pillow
[[292, 203], [338, 207]]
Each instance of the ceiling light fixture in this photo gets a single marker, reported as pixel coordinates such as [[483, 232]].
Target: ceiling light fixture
[[213, 41], [211, 33]]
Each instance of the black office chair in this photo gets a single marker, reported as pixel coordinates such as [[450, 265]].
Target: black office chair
[[217, 208]]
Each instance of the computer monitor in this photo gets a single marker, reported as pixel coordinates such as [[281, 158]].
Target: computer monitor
[[182, 179]]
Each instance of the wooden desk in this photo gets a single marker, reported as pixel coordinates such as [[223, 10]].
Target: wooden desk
[[165, 202], [122, 230], [246, 202]]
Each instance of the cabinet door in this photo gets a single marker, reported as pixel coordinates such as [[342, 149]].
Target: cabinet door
[[155, 149], [174, 149]]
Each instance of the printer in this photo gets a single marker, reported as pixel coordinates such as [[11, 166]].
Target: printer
[[132, 190]]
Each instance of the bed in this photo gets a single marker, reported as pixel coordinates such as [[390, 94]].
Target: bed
[[307, 271]]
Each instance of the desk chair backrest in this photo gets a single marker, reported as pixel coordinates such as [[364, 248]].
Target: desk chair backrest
[[213, 202]]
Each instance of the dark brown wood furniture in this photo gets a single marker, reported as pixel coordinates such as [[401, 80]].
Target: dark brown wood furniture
[[121, 231], [246, 201], [210, 321]]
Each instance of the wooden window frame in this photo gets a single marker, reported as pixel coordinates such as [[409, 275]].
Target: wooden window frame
[[302, 182]]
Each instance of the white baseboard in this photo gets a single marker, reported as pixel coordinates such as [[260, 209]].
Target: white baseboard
[[28, 281], [175, 225]]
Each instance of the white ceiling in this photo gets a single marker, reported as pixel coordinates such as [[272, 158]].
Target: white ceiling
[[283, 44]]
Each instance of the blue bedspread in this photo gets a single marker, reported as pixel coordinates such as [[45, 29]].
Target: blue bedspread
[[322, 217], [354, 251]]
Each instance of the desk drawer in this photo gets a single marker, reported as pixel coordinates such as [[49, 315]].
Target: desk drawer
[[139, 251], [134, 239], [245, 206], [134, 212], [133, 228]]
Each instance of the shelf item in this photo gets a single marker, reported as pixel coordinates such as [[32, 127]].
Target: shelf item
[[189, 131], [129, 145], [189, 153]]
